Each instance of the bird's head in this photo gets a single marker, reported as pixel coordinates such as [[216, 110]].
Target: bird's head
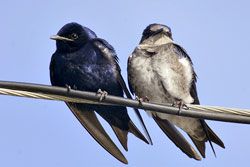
[[72, 37], [156, 29]]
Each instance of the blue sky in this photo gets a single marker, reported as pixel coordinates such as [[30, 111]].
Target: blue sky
[[45, 133]]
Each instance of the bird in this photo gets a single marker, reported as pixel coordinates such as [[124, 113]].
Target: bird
[[82, 61], [160, 71]]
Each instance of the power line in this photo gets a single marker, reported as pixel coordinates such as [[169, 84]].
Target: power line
[[64, 94]]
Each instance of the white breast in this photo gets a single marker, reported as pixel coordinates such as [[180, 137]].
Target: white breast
[[187, 69]]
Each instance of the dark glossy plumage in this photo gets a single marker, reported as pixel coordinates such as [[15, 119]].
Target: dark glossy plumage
[[85, 62]]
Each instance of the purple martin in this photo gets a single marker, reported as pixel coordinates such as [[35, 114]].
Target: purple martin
[[162, 72], [84, 62]]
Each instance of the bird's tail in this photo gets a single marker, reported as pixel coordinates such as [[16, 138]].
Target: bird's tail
[[177, 138], [214, 138], [120, 122], [90, 122], [210, 137], [133, 129], [122, 135]]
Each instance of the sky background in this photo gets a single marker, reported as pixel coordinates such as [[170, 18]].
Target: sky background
[[45, 133]]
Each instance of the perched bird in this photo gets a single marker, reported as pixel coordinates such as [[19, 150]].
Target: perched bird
[[84, 62], [161, 71]]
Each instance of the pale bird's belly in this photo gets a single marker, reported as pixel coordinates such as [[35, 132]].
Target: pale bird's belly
[[147, 84]]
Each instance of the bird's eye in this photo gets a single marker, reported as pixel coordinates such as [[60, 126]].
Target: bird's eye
[[73, 36]]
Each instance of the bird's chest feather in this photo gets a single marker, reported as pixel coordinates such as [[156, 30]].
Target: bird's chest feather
[[144, 79], [163, 77], [85, 74], [175, 73]]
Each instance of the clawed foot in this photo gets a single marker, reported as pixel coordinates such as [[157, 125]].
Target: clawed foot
[[180, 105], [102, 94], [69, 87], [142, 99]]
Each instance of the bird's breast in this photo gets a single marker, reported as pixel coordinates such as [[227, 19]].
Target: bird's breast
[[86, 76], [144, 80]]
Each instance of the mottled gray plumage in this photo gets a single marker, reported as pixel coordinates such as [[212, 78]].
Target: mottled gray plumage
[[162, 71]]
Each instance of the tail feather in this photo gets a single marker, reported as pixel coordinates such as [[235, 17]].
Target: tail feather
[[210, 137], [125, 89], [200, 145], [119, 120], [90, 122], [133, 129], [176, 137], [122, 136], [203, 124], [213, 137]]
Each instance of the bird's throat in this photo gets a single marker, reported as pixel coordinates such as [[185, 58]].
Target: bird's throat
[[157, 40]]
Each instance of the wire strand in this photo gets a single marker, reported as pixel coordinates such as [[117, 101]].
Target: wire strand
[[64, 94]]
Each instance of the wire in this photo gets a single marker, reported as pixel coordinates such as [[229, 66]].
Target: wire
[[64, 94]]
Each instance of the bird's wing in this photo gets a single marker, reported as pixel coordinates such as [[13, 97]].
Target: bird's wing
[[211, 136], [193, 91], [109, 53], [176, 137], [125, 89], [122, 82], [90, 122]]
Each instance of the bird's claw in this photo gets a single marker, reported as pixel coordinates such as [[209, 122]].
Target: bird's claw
[[102, 94], [180, 105], [68, 88], [142, 99]]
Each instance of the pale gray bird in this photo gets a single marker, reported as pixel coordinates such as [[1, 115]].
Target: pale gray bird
[[161, 71]]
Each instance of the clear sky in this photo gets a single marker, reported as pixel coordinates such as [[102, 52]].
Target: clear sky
[[44, 133]]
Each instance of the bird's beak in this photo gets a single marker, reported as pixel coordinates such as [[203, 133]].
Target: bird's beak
[[57, 37], [159, 31]]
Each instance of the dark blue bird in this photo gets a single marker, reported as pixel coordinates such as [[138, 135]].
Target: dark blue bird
[[85, 62]]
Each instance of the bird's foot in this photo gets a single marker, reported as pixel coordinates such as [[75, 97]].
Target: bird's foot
[[142, 99], [180, 105], [68, 88], [102, 94]]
